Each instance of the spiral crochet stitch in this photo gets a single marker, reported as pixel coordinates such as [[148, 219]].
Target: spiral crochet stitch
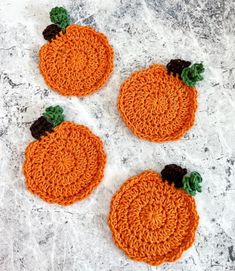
[[54, 114], [157, 106], [78, 62], [152, 221], [192, 184], [65, 165]]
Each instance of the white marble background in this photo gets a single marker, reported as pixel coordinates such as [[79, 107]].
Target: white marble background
[[37, 236]]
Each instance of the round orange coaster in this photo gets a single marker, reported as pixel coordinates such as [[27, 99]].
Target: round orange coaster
[[65, 165], [157, 106], [152, 221], [78, 62]]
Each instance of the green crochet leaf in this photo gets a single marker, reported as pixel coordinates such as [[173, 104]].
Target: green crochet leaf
[[60, 16], [192, 183], [54, 114], [191, 75]]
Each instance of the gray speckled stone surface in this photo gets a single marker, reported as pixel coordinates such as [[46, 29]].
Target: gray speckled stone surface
[[37, 236]]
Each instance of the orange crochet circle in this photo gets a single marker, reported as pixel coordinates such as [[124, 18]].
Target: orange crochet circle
[[152, 221], [65, 165], [157, 106], [78, 62]]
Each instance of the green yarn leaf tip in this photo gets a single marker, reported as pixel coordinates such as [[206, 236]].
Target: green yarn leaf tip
[[54, 114], [192, 183], [60, 16], [191, 75]]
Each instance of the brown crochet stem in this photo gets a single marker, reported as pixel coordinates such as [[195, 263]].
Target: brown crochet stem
[[176, 66], [40, 127], [174, 174], [51, 31]]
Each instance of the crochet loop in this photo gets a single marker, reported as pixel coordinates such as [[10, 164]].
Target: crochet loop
[[192, 183], [60, 16], [191, 75], [54, 114]]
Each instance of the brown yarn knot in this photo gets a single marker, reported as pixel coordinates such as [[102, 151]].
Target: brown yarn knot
[[51, 31], [40, 127], [174, 174], [176, 66]]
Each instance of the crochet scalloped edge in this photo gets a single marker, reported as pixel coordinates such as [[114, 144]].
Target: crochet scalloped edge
[[87, 191], [133, 129], [104, 80], [119, 193]]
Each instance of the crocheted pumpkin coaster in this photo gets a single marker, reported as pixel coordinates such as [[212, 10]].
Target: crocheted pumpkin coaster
[[157, 105], [66, 163], [77, 60], [151, 220]]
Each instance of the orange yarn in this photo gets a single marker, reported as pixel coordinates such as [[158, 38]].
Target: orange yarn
[[78, 62], [152, 221], [157, 106], [65, 165]]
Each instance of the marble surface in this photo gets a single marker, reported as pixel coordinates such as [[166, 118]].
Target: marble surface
[[37, 236]]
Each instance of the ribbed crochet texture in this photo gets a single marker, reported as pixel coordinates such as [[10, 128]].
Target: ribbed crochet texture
[[78, 62], [157, 106], [152, 221], [65, 165]]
